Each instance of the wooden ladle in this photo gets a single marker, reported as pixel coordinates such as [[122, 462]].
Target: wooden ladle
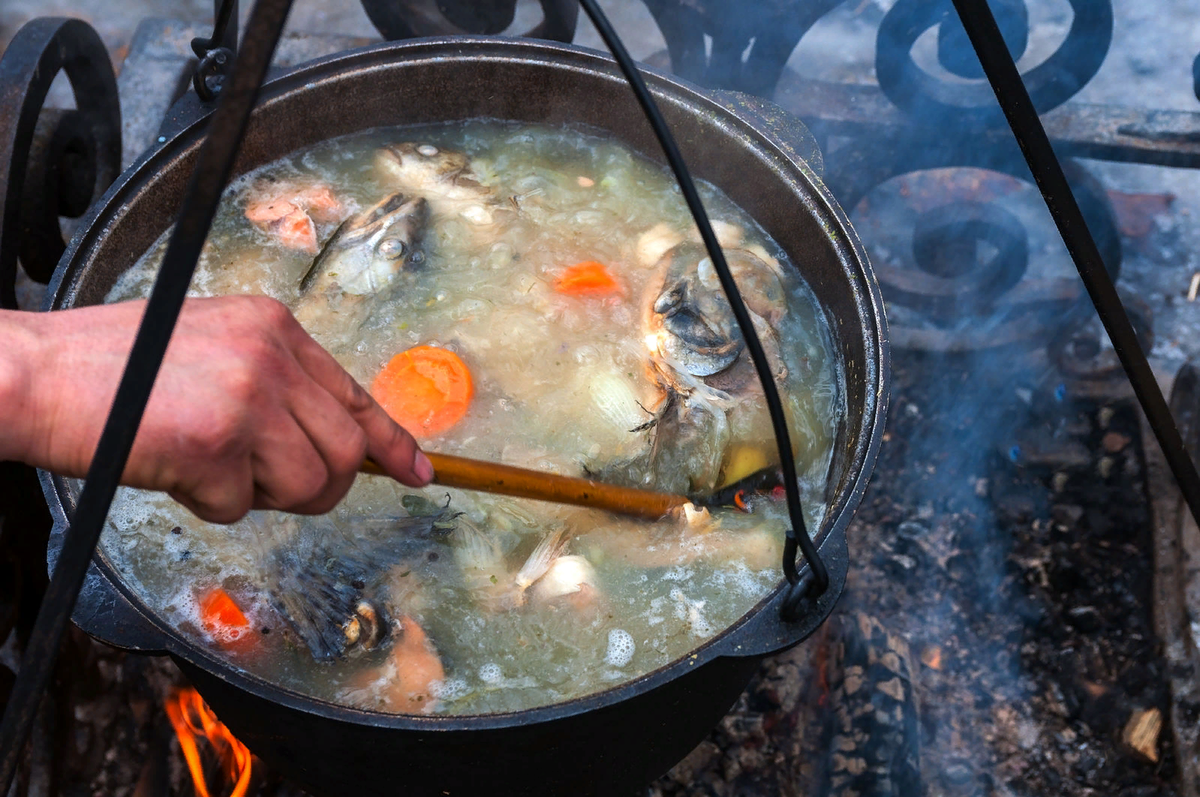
[[492, 477]]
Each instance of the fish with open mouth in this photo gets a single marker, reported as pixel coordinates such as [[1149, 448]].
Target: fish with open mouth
[[334, 588], [362, 259], [691, 332], [697, 357], [369, 250]]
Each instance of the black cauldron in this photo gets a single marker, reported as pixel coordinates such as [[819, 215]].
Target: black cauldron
[[608, 743]]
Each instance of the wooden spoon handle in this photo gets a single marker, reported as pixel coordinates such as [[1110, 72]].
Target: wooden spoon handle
[[491, 477]]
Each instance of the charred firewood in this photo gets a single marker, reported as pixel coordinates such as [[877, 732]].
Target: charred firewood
[[154, 778], [873, 748]]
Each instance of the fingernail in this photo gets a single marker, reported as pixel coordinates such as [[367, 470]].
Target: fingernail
[[423, 467]]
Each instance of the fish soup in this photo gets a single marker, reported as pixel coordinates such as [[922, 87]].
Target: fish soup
[[521, 295]]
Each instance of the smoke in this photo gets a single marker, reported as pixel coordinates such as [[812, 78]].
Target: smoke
[[986, 456]]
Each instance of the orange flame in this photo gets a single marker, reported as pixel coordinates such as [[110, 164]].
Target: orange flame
[[193, 720]]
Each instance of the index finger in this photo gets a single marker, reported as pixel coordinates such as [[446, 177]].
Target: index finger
[[388, 443]]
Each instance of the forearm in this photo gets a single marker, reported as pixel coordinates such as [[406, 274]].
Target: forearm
[[21, 357], [60, 375]]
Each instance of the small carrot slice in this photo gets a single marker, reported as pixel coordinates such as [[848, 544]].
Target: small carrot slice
[[425, 389], [222, 618], [588, 278]]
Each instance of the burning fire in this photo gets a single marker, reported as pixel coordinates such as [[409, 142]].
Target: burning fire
[[193, 720]]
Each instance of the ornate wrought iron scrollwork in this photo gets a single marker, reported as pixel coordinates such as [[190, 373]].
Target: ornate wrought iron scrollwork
[[948, 280], [1079, 353], [1196, 77], [928, 99], [954, 49], [406, 19], [953, 277], [52, 162]]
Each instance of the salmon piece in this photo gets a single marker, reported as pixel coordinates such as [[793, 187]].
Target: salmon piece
[[290, 213], [418, 668], [321, 204], [265, 211], [296, 230]]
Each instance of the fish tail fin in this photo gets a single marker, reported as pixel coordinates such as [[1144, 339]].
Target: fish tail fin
[[474, 549], [549, 549]]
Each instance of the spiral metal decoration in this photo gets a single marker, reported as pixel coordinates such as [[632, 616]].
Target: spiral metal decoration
[[928, 99], [57, 161], [406, 19], [948, 279], [750, 45]]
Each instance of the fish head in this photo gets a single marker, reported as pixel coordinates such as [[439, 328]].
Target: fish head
[[369, 249], [420, 166], [429, 170], [690, 326], [330, 583], [365, 629], [446, 177]]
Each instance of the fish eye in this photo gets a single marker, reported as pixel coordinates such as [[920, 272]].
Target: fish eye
[[417, 258], [392, 248], [428, 150]]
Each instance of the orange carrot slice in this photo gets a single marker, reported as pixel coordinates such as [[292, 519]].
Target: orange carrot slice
[[588, 278], [222, 618], [425, 389]]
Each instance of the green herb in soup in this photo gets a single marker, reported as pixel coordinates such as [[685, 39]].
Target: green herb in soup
[[521, 295]]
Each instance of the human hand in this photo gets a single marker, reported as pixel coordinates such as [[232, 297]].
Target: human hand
[[248, 411]]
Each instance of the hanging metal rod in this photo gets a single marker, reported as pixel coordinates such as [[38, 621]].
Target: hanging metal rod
[[214, 163], [1014, 100], [817, 582]]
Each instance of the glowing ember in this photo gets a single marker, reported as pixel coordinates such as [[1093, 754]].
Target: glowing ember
[[193, 720]]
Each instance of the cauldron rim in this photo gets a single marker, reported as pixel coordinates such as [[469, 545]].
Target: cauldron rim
[[153, 164]]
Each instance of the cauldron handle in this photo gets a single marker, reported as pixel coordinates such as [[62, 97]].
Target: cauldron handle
[[779, 125], [766, 633], [102, 610]]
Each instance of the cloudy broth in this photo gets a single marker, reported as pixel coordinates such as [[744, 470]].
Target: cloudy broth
[[562, 383]]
